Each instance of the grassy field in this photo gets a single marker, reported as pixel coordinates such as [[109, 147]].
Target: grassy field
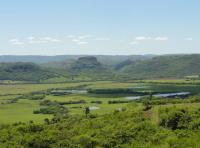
[[107, 85], [103, 108], [27, 88], [4, 99], [169, 81], [23, 109]]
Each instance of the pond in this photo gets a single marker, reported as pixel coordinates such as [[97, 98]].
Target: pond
[[134, 97], [162, 95], [138, 87], [76, 91], [93, 108], [172, 94]]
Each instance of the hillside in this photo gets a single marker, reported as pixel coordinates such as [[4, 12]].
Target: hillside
[[91, 68], [48, 60], [24, 72], [31, 58], [163, 66], [85, 63]]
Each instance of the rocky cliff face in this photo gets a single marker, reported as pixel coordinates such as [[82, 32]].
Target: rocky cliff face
[[88, 62]]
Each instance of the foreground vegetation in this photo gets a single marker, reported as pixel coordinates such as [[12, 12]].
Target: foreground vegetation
[[65, 115], [133, 127]]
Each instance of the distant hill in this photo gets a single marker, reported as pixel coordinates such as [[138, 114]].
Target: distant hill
[[24, 72], [87, 68], [90, 68], [163, 66], [104, 59], [123, 64], [85, 63], [32, 59]]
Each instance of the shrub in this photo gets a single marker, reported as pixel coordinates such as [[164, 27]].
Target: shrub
[[147, 105], [118, 101], [73, 102], [97, 102], [51, 110], [176, 119]]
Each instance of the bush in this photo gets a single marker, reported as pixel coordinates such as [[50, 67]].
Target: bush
[[51, 110], [97, 102], [73, 102], [147, 105], [119, 101], [48, 103], [195, 125], [176, 119]]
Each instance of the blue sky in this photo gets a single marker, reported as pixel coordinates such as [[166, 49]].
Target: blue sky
[[56, 27]]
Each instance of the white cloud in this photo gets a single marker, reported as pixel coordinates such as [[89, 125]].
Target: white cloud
[[33, 40], [142, 38], [30, 38], [16, 42], [71, 36], [147, 38], [75, 40], [13, 40], [189, 39], [49, 39], [84, 36], [82, 43], [134, 43], [80, 40], [102, 39], [161, 38], [83, 39]]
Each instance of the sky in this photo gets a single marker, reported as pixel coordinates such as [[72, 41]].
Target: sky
[[99, 27]]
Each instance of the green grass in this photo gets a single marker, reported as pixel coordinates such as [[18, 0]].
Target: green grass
[[55, 80], [20, 112], [4, 99], [169, 81], [103, 108], [27, 88], [109, 84], [11, 82]]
